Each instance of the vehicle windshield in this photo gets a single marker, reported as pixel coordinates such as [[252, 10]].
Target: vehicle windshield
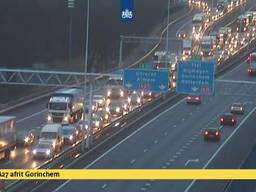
[[48, 135], [112, 82], [58, 106], [206, 46], [67, 131], [43, 146]]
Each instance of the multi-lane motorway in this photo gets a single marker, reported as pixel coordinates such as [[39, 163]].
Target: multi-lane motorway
[[172, 139]]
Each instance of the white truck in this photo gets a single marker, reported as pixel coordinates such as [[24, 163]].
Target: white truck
[[186, 47], [252, 62], [207, 46], [65, 106], [7, 136], [198, 25]]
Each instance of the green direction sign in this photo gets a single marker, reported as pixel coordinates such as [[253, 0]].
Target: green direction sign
[[146, 65]]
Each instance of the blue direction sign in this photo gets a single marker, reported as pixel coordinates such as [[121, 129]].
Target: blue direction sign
[[195, 77], [146, 80]]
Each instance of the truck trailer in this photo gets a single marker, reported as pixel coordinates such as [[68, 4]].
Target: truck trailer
[[7, 136]]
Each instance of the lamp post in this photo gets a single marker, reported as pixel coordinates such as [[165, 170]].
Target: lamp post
[[88, 138], [71, 5], [167, 35]]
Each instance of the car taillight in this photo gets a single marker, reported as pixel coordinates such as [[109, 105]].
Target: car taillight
[[233, 120], [221, 119], [241, 108], [188, 97], [197, 98], [217, 133], [206, 132], [249, 70]]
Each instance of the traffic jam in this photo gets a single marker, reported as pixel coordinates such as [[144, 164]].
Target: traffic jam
[[67, 124]]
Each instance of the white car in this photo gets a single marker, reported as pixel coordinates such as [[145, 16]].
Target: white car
[[44, 150], [99, 100]]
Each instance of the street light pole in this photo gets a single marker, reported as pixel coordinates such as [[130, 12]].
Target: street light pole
[[85, 78], [167, 34], [71, 5]]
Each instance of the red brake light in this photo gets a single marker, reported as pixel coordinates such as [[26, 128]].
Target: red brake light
[[188, 97], [206, 132], [197, 98], [217, 133], [221, 119], [241, 108], [233, 120]]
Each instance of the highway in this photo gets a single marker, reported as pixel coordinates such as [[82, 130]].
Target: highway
[[172, 139], [33, 116], [176, 141]]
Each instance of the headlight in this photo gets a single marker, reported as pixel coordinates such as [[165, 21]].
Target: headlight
[[26, 139], [107, 109], [118, 109], [129, 99], [93, 108], [49, 118], [65, 119], [77, 132], [121, 93], [125, 106], [202, 53], [100, 101], [149, 93], [53, 144], [106, 116], [109, 93], [71, 137], [34, 151], [48, 152], [97, 123], [86, 127], [138, 100]]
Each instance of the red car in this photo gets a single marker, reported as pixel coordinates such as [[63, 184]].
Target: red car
[[192, 99], [212, 134], [228, 119]]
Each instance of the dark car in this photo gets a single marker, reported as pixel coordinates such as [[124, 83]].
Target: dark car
[[182, 35], [237, 108], [192, 99], [70, 133], [212, 134], [228, 119]]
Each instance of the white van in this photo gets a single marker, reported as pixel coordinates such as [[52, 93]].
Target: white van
[[52, 133]]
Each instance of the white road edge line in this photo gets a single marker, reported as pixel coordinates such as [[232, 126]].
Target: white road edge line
[[223, 144], [28, 117], [122, 141]]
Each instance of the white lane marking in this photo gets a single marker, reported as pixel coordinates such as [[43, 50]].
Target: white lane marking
[[145, 150], [174, 125], [171, 160], [178, 31], [133, 161], [178, 153], [193, 138], [122, 141], [167, 163], [183, 119], [188, 144], [143, 189], [30, 116], [184, 147], [223, 144], [165, 133], [191, 160], [236, 81], [163, 167], [156, 141], [230, 72], [147, 184], [104, 186], [175, 156], [182, 150]]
